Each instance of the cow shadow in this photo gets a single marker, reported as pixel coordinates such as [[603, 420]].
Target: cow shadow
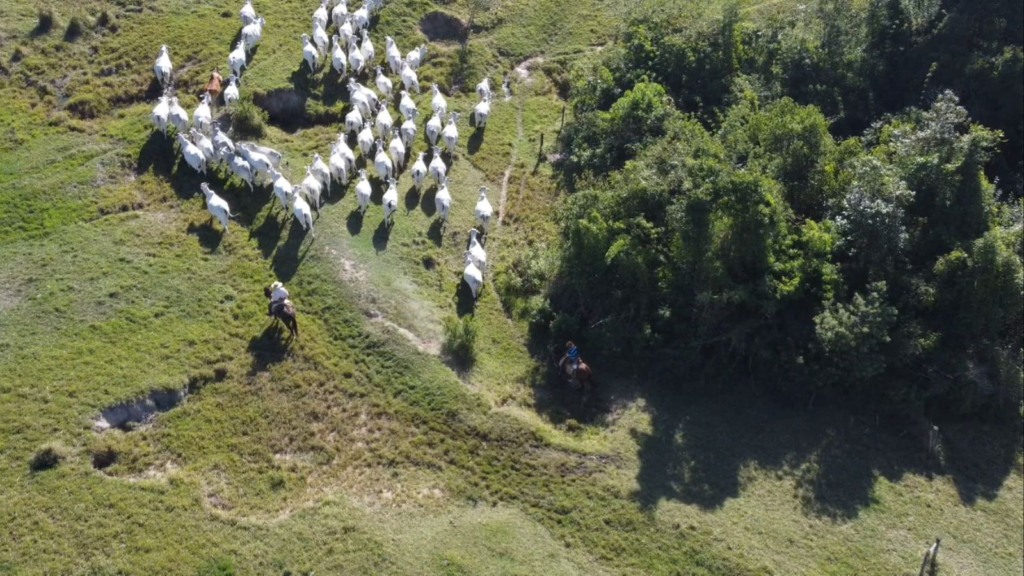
[[354, 222], [268, 233], [436, 232], [465, 304], [381, 236], [209, 237], [476, 139], [427, 203], [412, 199], [289, 255]]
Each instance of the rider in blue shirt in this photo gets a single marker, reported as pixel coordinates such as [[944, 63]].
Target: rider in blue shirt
[[572, 354]]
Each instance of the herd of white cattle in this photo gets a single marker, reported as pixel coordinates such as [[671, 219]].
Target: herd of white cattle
[[206, 146]]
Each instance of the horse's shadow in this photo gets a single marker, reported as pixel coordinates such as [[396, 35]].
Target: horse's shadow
[[271, 347]]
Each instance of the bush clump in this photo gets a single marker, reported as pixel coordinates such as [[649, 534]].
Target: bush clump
[[47, 457], [74, 30], [459, 340], [249, 120], [88, 106], [44, 21]]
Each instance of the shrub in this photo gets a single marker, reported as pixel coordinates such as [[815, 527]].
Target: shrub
[[88, 106], [249, 120], [459, 340], [48, 456], [74, 30], [44, 21], [104, 457]]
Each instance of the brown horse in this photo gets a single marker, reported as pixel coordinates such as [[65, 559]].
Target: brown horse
[[214, 86], [285, 312], [584, 376]]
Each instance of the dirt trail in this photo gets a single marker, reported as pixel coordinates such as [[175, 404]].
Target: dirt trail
[[524, 74]]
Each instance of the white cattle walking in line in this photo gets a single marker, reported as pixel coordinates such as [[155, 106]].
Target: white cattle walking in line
[[390, 202], [434, 127], [193, 155], [216, 206], [178, 116], [443, 202], [320, 169], [301, 210], [312, 187], [231, 95], [161, 113], [385, 167], [237, 59], [247, 13], [408, 130], [419, 171], [310, 53], [416, 57], [203, 117], [363, 191], [450, 134], [437, 168], [282, 188], [204, 144], [396, 149], [252, 34], [483, 212], [240, 167], [163, 68], [473, 276]]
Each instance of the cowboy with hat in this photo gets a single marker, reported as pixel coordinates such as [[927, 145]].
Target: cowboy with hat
[[278, 294]]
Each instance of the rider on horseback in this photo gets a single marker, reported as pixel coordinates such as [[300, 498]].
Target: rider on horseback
[[278, 294], [572, 354]]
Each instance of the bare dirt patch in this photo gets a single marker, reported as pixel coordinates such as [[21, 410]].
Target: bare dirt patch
[[128, 415]]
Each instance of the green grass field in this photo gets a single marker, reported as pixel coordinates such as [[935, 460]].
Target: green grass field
[[357, 449]]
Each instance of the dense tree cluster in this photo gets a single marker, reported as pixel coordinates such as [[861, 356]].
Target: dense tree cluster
[[804, 198]]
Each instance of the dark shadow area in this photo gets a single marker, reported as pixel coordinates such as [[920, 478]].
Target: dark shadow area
[[153, 91], [412, 199], [209, 234], [381, 237], [270, 347], [979, 456], [436, 232], [443, 27], [476, 139], [354, 222], [287, 257], [427, 202], [465, 305], [563, 402], [268, 233], [334, 193]]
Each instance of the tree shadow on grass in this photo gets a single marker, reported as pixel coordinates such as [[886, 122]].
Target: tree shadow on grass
[[700, 444], [290, 255]]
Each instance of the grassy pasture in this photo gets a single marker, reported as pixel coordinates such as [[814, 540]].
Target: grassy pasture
[[358, 450]]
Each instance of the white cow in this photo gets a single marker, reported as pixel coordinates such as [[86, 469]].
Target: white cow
[[354, 120], [216, 206], [338, 56], [419, 171], [193, 155], [178, 116], [434, 129], [443, 202], [416, 57], [437, 169], [476, 249], [345, 30], [248, 13], [359, 99], [366, 47], [408, 131], [236, 59], [482, 111], [312, 187], [338, 165], [483, 89], [384, 84], [163, 68], [483, 212], [231, 94], [240, 167], [438, 103], [205, 145], [363, 191], [320, 169], [407, 106], [473, 277], [252, 34], [361, 18], [274, 156], [396, 149], [339, 14], [346, 152], [365, 139], [320, 15], [450, 134], [223, 147], [384, 122], [409, 77], [321, 40], [310, 53], [390, 202], [356, 60], [203, 117], [385, 167], [161, 112], [301, 210], [393, 55], [282, 188]]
